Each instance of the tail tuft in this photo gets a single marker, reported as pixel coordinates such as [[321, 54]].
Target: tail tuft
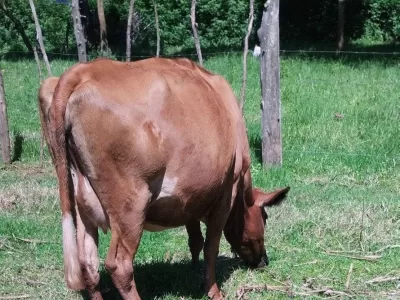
[[72, 269]]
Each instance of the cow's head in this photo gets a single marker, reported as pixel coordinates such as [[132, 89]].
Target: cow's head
[[245, 227]]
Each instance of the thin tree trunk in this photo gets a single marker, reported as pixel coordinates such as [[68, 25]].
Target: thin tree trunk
[[40, 82], [39, 37], [78, 30], [157, 27], [84, 11], [341, 22], [18, 26], [129, 30], [67, 36], [103, 28], [35, 54], [246, 49], [270, 84], [195, 33], [4, 132]]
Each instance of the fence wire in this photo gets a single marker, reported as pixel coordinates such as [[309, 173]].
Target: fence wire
[[338, 153], [298, 81], [282, 51]]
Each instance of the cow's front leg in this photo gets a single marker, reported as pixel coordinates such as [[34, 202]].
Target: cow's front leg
[[215, 225], [87, 241], [211, 248], [196, 240]]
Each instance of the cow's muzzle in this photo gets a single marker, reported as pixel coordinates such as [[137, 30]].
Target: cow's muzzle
[[262, 263]]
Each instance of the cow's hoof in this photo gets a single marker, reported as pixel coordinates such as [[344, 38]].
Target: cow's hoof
[[195, 264], [96, 296], [215, 294]]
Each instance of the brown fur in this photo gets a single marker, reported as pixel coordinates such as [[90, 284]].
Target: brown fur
[[152, 145]]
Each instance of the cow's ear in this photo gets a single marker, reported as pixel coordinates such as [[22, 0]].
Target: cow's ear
[[268, 199]]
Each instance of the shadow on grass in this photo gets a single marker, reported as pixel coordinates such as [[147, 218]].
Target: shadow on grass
[[255, 143], [18, 142], [178, 279]]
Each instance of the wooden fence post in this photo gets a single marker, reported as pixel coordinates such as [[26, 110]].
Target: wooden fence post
[[195, 33], [78, 30], [4, 132], [341, 21], [157, 27], [246, 49], [39, 37], [270, 85], [129, 30], [105, 50]]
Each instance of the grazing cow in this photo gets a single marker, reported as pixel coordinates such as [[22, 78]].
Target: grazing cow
[[149, 145]]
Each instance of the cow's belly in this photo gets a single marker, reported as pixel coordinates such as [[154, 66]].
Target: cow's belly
[[168, 213], [154, 227]]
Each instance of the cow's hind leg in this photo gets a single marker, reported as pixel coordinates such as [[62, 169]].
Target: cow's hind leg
[[87, 240], [196, 240], [126, 231]]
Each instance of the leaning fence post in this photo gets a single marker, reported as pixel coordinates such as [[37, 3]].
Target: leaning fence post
[[4, 132], [195, 32], [39, 37], [246, 49]]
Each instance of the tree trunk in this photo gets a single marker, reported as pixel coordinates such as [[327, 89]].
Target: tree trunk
[[129, 30], [103, 29], [40, 81], [195, 33], [4, 132], [17, 24], [86, 19], [157, 27], [78, 30], [35, 54], [270, 84], [246, 49], [39, 38], [341, 21], [67, 36]]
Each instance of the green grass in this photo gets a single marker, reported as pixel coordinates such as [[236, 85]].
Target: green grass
[[344, 174]]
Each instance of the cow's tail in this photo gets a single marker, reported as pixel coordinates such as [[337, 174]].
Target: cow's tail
[[58, 140]]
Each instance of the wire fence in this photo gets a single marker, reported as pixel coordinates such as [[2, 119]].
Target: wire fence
[[308, 82], [282, 51]]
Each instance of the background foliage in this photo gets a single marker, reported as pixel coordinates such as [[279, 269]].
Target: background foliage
[[222, 23]]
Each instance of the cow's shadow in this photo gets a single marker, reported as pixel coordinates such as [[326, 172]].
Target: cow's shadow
[[177, 279]]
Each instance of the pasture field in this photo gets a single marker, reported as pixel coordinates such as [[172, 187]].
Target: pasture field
[[336, 235]]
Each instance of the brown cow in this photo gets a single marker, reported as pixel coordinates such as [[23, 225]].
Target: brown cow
[[149, 145]]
